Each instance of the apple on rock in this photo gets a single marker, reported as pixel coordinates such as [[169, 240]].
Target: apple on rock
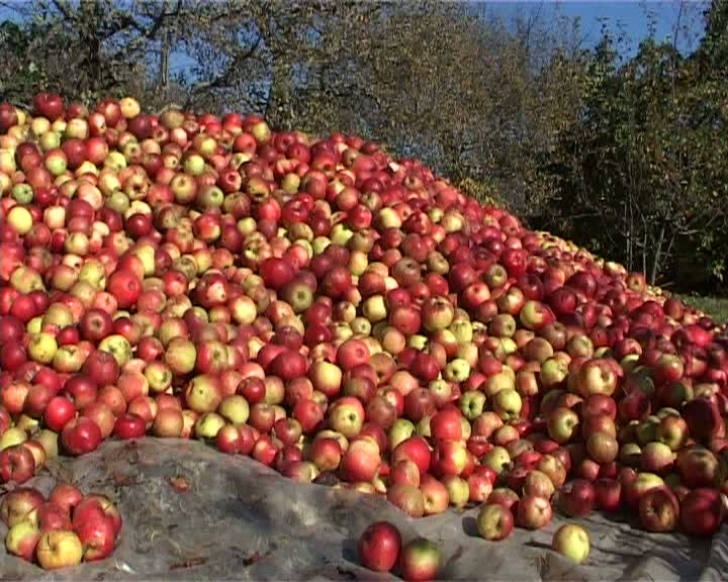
[[379, 546], [59, 549], [572, 540], [420, 560], [495, 522]]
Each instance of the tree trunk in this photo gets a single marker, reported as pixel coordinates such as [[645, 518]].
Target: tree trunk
[[279, 109], [658, 251], [90, 65], [163, 81]]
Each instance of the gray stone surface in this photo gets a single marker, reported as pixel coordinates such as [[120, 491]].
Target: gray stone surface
[[239, 520]]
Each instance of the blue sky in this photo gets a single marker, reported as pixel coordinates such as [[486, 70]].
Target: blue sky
[[632, 17]]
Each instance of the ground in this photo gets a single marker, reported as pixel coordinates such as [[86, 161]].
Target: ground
[[716, 307]]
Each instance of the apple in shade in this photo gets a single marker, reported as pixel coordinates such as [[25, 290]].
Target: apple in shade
[[702, 512], [533, 512], [597, 376], [420, 560], [697, 467], [602, 448], [18, 503], [59, 549], [379, 546], [657, 458], [576, 498], [673, 431], [572, 540], [607, 494], [436, 498], [703, 419], [17, 464], [494, 522], [407, 498], [659, 510], [553, 469], [633, 491]]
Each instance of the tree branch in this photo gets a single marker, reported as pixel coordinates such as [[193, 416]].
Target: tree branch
[[223, 79], [62, 7]]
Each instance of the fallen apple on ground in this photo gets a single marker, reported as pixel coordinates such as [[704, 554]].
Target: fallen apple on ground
[[379, 546], [572, 541]]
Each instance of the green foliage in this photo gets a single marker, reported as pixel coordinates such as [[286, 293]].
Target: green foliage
[[482, 191], [645, 164], [27, 75]]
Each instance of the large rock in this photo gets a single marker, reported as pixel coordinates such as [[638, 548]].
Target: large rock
[[191, 513]]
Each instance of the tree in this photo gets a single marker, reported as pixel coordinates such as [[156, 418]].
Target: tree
[[642, 176], [622, 154]]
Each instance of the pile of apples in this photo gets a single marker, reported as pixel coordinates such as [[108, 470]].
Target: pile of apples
[[342, 317], [63, 531]]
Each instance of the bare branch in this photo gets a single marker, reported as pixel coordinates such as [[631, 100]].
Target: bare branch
[[64, 9]]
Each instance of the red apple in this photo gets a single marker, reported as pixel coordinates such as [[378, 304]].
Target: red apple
[[533, 512], [16, 464], [81, 436], [66, 496], [93, 506], [58, 412], [379, 546], [576, 498], [659, 510], [49, 516], [607, 494], [702, 512]]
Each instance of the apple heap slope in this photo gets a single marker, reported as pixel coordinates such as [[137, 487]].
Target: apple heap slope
[[343, 317]]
